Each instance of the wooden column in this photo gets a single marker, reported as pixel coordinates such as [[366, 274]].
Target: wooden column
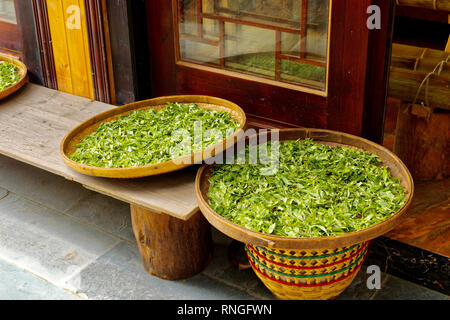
[[422, 141], [171, 248]]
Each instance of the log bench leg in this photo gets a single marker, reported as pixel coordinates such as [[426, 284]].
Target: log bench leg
[[171, 248]]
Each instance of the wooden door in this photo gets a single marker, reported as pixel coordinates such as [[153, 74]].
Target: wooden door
[[219, 48]]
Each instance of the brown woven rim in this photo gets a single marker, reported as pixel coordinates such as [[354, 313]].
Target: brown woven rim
[[22, 72]]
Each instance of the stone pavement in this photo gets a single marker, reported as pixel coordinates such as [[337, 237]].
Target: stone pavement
[[61, 241]]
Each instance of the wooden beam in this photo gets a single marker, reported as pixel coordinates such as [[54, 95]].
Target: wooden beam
[[442, 5], [419, 59], [410, 66], [403, 84], [422, 14]]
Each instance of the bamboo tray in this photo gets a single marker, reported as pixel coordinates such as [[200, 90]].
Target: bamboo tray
[[22, 73], [68, 145], [396, 166]]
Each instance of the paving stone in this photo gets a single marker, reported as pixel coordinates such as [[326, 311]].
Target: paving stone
[[3, 193], [38, 185], [221, 269], [398, 289], [119, 275], [18, 284], [45, 242], [106, 213]]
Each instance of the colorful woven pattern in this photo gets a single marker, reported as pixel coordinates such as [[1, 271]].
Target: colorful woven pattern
[[307, 274]]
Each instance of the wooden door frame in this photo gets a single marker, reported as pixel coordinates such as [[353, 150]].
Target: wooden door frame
[[358, 63], [100, 50], [377, 78], [129, 49], [44, 41]]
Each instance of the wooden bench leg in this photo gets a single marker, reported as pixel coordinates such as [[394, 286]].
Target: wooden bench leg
[[171, 248]]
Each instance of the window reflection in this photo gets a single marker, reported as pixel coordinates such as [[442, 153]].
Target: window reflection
[[7, 11], [284, 40]]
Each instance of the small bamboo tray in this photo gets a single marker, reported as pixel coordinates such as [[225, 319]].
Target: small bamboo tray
[[74, 137], [22, 73], [309, 268]]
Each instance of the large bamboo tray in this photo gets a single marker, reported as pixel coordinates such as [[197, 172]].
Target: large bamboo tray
[[308, 268], [68, 145], [396, 166], [23, 76]]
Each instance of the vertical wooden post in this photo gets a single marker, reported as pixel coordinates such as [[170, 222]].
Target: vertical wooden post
[[171, 248]]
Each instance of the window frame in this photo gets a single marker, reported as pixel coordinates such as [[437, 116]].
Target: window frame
[[11, 35], [249, 76]]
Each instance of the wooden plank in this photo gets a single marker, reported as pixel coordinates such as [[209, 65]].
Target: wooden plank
[[78, 48], [33, 124], [419, 59], [442, 5], [422, 14], [403, 84], [70, 46], [59, 44], [426, 224]]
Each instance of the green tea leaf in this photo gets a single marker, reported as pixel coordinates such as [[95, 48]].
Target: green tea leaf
[[145, 137], [317, 191], [9, 75]]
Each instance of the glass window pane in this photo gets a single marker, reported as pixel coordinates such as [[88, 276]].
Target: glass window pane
[[308, 74], [200, 52], [316, 43], [7, 11], [250, 49], [290, 43], [211, 29], [283, 40]]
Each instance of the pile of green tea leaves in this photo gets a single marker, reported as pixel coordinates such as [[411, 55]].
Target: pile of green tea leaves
[[147, 136], [317, 191], [9, 75]]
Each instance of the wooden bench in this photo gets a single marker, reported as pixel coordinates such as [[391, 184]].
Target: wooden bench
[[173, 237]]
